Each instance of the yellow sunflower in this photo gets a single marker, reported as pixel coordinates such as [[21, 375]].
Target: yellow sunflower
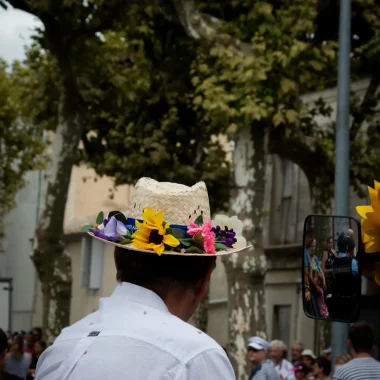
[[371, 220], [151, 234]]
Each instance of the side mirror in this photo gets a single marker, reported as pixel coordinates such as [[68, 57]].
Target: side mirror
[[331, 277]]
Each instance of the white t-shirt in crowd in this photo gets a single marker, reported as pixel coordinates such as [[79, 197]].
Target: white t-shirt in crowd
[[284, 369], [133, 336]]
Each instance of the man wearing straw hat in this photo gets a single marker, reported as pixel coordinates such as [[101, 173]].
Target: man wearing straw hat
[[165, 251]]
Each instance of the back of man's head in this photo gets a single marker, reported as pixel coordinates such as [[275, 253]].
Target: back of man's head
[[342, 243], [3, 344], [161, 273], [362, 337], [350, 245]]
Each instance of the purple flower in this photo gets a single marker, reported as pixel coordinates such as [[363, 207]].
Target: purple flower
[[114, 230], [225, 236]]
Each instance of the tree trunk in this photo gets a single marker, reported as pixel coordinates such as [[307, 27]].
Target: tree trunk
[[245, 271], [52, 262]]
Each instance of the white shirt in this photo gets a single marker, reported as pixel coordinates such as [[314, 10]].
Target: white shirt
[[133, 336], [285, 370]]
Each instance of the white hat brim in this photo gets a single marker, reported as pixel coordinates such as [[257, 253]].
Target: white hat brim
[[174, 253]]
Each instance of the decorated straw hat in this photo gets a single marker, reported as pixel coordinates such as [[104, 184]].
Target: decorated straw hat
[[171, 219]]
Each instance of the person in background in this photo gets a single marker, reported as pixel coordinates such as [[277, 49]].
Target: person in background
[[301, 371], [350, 233], [327, 353], [37, 334], [361, 340], [39, 348], [9, 336], [296, 351], [322, 307], [340, 360], [18, 361], [257, 353], [308, 358], [321, 368], [29, 343], [328, 258], [277, 355], [3, 354]]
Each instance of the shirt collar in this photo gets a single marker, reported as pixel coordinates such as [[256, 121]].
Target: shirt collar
[[134, 293], [340, 254]]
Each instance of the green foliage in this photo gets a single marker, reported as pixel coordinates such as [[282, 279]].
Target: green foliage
[[21, 144]]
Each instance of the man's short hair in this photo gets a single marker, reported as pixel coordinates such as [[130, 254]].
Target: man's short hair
[[350, 244], [342, 243], [325, 364], [278, 343], [362, 337], [161, 272], [3, 343]]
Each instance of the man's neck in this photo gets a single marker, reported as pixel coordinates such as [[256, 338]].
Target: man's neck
[[361, 355]]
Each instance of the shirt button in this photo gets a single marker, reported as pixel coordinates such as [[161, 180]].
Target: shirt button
[[85, 353], [91, 323]]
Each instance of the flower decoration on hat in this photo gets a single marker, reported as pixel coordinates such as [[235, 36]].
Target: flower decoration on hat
[[371, 224], [228, 231], [153, 233]]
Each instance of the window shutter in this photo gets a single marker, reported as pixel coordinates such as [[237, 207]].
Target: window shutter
[[96, 265], [85, 262]]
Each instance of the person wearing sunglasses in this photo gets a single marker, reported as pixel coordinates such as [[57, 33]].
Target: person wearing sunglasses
[[263, 368]]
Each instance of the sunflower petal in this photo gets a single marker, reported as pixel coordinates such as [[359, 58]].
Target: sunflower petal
[[142, 245], [159, 218], [171, 241], [372, 246], [158, 248], [374, 219], [149, 217], [377, 185], [370, 228], [363, 210], [374, 199]]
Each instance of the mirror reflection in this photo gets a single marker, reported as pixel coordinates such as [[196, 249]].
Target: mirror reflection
[[331, 278]]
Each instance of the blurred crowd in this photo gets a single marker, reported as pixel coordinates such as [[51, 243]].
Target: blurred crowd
[[19, 353], [270, 360]]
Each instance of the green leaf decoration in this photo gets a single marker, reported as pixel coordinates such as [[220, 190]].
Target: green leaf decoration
[[199, 220], [118, 216], [220, 247], [100, 218], [179, 234], [193, 249], [186, 242], [169, 231], [126, 241], [86, 228]]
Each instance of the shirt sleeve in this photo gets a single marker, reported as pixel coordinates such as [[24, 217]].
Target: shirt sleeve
[[306, 259], [212, 364], [354, 267]]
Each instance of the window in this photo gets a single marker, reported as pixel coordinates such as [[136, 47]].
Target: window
[[92, 263], [281, 323]]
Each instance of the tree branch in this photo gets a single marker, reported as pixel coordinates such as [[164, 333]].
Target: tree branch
[[22, 5], [203, 27], [369, 102]]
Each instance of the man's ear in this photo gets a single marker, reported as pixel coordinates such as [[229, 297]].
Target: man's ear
[[202, 285]]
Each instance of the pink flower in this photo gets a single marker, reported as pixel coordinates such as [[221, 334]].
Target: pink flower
[[207, 236]]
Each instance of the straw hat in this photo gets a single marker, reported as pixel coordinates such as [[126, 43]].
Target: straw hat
[[172, 219]]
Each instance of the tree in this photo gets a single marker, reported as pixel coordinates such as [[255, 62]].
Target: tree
[[130, 109], [21, 146]]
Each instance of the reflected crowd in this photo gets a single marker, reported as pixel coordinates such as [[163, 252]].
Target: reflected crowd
[[332, 281]]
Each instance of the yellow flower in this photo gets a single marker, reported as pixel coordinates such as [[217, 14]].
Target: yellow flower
[[371, 220], [151, 234]]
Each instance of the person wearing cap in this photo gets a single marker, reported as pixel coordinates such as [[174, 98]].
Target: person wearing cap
[[327, 353], [308, 358], [257, 352], [301, 371], [277, 355], [165, 249]]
